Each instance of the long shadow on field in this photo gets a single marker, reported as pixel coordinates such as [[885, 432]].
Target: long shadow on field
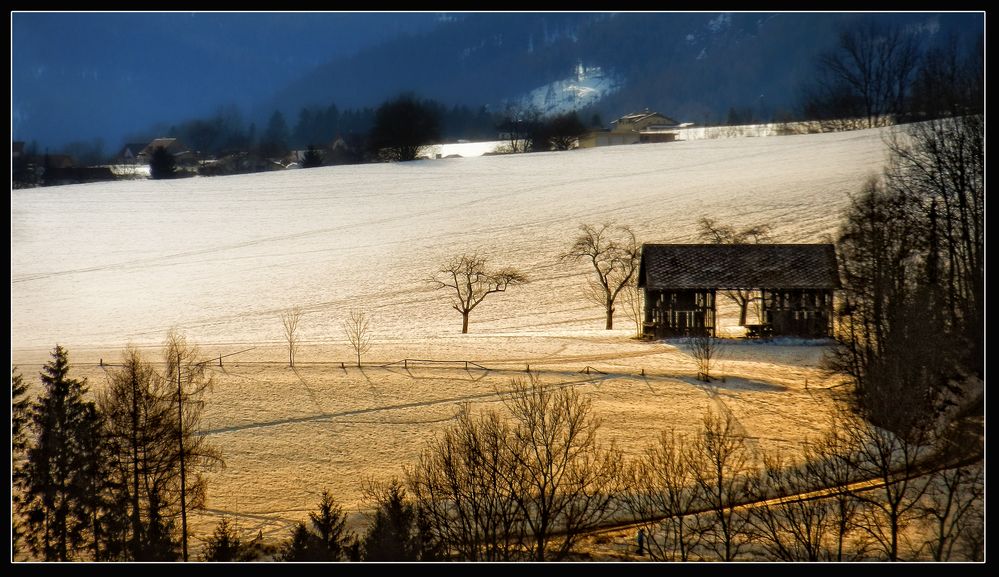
[[308, 389], [735, 384], [475, 377], [495, 395]]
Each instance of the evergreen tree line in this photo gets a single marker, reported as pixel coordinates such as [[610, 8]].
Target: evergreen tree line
[[397, 130], [331, 137], [109, 477]]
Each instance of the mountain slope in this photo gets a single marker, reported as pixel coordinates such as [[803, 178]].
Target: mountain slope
[[691, 66]]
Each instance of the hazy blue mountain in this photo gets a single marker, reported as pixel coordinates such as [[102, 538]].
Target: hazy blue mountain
[[692, 66], [78, 76]]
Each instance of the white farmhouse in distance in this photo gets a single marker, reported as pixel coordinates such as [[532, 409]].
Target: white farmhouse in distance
[[634, 128]]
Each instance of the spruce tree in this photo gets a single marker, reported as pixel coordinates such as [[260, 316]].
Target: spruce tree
[[224, 544], [57, 475], [313, 157], [20, 415], [392, 535], [330, 524], [327, 540]]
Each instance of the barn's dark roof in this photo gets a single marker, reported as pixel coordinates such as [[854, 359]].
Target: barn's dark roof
[[730, 266]]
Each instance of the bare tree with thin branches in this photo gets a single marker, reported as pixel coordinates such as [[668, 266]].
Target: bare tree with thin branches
[[462, 483], [664, 497], [872, 70], [471, 282], [290, 319], [894, 461], [725, 482], [566, 481], [632, 296], [954, 507], [787, 526], [522, 486], [705, 349], [358, 334], [826, 465], [614, 254], [710, 231]]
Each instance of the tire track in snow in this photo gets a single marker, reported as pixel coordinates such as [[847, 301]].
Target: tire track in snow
[[530, 188]]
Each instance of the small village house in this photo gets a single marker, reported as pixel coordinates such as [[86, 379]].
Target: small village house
[[634, 128]]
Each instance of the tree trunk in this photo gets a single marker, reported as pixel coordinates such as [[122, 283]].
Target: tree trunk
[[743, 305], [610, 316], [464, 322], [183, 472]]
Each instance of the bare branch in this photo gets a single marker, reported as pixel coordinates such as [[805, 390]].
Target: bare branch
[[290, 319], [470, 281], [614, 254], [356, 330]]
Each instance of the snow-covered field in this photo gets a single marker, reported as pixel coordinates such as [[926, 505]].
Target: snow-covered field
[[96, 266]]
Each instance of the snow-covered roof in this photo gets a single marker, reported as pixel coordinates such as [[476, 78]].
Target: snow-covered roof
[[636, 117]]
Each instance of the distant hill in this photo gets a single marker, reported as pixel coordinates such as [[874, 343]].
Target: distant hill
[[694, 67]]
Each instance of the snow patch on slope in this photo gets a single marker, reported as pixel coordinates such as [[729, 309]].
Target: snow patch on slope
[[587, 85]]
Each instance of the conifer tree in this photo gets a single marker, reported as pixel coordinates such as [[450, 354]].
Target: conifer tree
[[327, 540], [20, 415], [392, 535], [57, 477]]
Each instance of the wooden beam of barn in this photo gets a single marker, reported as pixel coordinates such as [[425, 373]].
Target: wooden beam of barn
[[681, 281]]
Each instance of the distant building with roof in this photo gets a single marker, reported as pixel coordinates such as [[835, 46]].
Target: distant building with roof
[[129, 154], [634, 128], [181, 153]]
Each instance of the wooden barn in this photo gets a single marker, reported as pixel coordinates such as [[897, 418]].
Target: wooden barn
[[795, 284]]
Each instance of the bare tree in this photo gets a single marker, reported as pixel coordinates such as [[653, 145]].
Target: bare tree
[[954, 505], [940, 167], [403, 126], [289, 319], [632, 296], [566, 481], [869, 75], [664, 497], [496, 489], [471, 281], [827, 465], [893, 461], [518, 127], [710, 231], [614, 254], [725, 482], [358, 334], [788, 525], [705, 349], [462, 483]]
